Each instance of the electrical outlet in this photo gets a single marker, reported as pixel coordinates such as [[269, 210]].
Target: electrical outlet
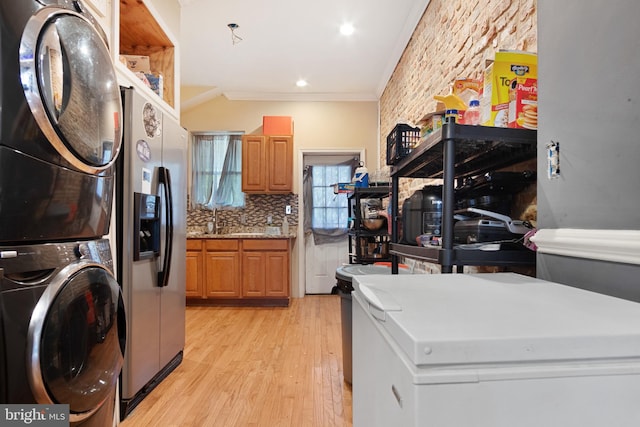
[[287, 210]]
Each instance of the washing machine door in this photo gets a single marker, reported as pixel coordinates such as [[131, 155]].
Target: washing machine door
[[71, 87], [76, 342]]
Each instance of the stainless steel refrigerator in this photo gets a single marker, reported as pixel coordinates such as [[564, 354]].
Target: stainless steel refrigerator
[[151, 244]]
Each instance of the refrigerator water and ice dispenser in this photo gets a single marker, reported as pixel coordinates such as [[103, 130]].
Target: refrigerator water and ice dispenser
[[146, 241]]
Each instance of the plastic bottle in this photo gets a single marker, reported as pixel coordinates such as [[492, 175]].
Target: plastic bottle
[[472, 115], [361, 178], [451, 116], [285, 226]]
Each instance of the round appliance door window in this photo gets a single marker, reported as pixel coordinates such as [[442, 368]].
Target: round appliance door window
[[71, 87], [76, 339]]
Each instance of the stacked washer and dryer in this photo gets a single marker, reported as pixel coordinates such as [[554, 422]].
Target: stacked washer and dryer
[[61, 311]]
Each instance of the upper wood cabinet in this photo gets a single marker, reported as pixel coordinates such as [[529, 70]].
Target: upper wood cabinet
[[267, 164]]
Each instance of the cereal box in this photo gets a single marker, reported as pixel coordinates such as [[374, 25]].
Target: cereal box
[[523, 103], [498, 75]]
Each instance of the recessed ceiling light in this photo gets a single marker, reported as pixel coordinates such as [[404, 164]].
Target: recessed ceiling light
[[301, 83], [347, 29]]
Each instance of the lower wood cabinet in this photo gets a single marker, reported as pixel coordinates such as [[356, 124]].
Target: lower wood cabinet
[[265, 268], [222, 268], [195, 268], [238, 271]]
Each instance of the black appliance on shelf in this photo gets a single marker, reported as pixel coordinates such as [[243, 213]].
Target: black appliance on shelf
[[492, 191], [422, 214]]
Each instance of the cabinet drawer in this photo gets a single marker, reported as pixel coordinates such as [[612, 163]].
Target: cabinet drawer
[[194, 244], [221, 244], [265, 244]]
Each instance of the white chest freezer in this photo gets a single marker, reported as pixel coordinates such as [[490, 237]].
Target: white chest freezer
[[492, 350]]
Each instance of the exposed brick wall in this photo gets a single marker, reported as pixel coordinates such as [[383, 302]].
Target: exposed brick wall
[[452, 40]]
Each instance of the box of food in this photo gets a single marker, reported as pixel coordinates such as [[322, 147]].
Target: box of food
[[523, 103], [343, 187], [498, 75], [136, 63], [429, 123], [277, 125]]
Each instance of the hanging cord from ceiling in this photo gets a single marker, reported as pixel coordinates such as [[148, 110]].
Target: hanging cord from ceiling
[[235, 39]]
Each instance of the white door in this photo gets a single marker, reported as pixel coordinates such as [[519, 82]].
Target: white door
[[322, 260]]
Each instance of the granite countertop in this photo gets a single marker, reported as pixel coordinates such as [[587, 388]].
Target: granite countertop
[[240, 233]]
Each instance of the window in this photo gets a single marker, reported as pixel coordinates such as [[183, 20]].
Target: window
[[216, 167], [330, 211]]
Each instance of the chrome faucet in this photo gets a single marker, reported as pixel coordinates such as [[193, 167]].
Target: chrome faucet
[[217, 224]]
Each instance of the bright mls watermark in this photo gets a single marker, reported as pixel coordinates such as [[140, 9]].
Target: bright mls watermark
[[34, 415]]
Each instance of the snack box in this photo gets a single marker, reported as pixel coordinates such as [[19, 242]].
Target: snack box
[[136, 63], [523, 103], [498, 76], [429, 123], [343, 187]]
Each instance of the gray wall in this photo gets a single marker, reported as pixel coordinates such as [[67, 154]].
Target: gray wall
[[589, 101]]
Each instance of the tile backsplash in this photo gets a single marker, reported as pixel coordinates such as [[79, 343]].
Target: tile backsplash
[[254, 214]]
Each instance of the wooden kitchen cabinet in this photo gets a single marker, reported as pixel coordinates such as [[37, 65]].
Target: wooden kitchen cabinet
[[195, 268], [222, 267], [238, 271], [267, 164], [265, 268]]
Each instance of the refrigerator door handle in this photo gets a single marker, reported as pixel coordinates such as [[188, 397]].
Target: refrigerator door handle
[[164, 178]]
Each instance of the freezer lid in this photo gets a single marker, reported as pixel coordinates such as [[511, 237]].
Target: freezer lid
[[462, 319]]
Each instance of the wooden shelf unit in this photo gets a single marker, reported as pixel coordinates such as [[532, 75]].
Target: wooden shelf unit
[[141, 34]]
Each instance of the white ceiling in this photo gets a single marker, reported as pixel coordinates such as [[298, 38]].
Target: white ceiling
[[285, 40]]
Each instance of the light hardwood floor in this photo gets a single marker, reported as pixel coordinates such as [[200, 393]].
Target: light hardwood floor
[[255, 367]]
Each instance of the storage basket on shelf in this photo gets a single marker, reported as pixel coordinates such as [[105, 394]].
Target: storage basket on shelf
[[401, 141]]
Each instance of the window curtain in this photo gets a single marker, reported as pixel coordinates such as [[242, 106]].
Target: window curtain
[[322, 235], [229, 191], [216, 164]]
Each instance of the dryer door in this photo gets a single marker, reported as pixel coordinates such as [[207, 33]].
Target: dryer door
[[71, 88], [76, 341]]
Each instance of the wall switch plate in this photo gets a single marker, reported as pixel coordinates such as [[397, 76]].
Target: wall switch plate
[[287, 210]]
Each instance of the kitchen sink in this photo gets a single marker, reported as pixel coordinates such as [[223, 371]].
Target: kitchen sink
[[247, 234]]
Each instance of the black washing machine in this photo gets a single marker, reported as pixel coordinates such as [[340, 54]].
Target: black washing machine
[[60, 123], [61, 328]]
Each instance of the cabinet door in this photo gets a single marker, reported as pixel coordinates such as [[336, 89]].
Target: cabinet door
[[194, 274], [280, 154], [253, 274], [254, 158], [277, 274], [222, 274]]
